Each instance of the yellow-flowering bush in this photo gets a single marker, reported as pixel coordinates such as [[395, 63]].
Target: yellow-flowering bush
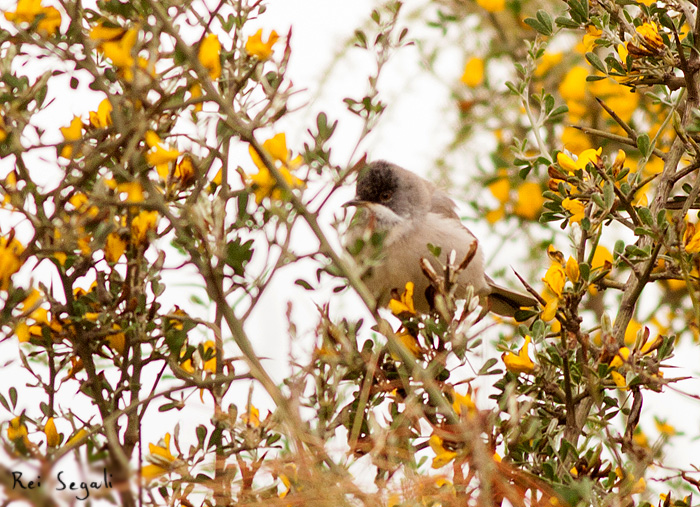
[[184, 166]]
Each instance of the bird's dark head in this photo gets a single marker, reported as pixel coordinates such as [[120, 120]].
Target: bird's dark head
[[383, 184]]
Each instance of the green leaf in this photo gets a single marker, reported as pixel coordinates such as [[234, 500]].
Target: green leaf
[[619, 248], [642, 231], [303, 283], [585, 270], [546, 20], [538, 26], [487, 366], [435, 250], [238, 254], [598, 201], [644, 145], [201, 432], [360, 39], [595, 61], [646, 217], [13, 397], [558, 111], [661, 218], [548, 103], [549, 217], [215, 438], [609, 195], [512, 88], [565, 22]]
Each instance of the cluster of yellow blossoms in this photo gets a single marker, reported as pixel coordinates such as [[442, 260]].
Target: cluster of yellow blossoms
[[528, 199]]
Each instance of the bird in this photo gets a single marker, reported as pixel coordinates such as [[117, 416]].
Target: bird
[[412, 213]]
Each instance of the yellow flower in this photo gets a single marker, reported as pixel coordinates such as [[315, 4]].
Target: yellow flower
[[442, 455], [288, 478], [255, 46], [620, 358], [114, 247], [252, 417], [102, 118], [22, 332], [27, 12], [621, 99], [691, 238], [576, 208], [159, 154], [132, 189], [101, 33], [622, 51], [161, 459], [555, 278], [409, 341], [639, 487], [209, 55], [529, 202], [10, 262], [77, 439], [654, 166], [520, 363], [619, 380], [555, 255], [196, 93], [184, 171], [17, 431], [574, 140], [71, 133], [492, 5], [631, 332], [585, 157], [495, 215], [550, 310], [601, 258], [117, 341], [664, 428], [264, 184], [573, 86], [218, 178], [463, 404], [119, 50], [210, 364], [572, 270], [547, 61], [473, 74], [81, 203], [640, 438], [501, 187], [178, 323], [588, 41], [650, 35], [140, 226], [32, 304], [405, 304], [619, 161], [52, 436]]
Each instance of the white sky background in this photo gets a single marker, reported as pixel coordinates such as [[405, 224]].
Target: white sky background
[[419, 122]]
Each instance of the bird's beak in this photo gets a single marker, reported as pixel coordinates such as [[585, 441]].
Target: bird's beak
[[355, 202]]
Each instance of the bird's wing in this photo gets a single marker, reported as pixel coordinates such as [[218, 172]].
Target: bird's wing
[[441, 204], [506, 302]]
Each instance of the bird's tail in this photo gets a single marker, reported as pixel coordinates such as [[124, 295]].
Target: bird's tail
[[506, 302]]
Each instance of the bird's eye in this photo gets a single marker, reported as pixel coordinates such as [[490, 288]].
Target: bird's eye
[[385, 196]]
